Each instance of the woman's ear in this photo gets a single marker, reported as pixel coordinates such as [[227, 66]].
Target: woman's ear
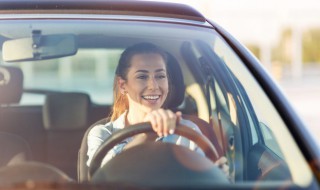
[[121, 84]]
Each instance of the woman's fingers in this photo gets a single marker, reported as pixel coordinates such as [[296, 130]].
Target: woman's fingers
[[169, 121], [163, 121], [223, 164], [163, 127], [152, 119], [222, 160], [160, 122], [173, 122], [178, 115]]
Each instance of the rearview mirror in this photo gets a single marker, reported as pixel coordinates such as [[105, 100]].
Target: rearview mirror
[[39, 47]]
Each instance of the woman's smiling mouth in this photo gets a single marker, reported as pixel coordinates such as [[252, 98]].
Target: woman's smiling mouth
[[151, 97]]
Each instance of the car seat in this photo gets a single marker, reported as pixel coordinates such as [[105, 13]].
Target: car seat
[[22, 120], [11, 85], [65, 117], [14, 149]]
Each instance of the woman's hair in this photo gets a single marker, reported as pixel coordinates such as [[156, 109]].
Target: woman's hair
[[121, 104]]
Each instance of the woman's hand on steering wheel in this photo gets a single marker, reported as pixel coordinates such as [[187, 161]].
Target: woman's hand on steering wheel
[[204, 143], [163, 121], [222, 163]]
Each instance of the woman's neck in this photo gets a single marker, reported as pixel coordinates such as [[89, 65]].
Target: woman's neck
[[134, 117]]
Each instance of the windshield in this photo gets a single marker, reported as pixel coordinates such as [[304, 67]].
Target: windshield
[[219, 89]]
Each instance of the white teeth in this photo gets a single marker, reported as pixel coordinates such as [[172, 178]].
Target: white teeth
[[151, 97]]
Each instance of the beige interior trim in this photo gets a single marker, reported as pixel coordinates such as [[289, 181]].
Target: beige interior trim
[[194, 90]]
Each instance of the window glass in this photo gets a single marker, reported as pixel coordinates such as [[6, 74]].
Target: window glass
[[242, 114], [258, 107]]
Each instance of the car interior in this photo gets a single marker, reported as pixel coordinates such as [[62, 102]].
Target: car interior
[[208, 87], [53, 133], [58, 128]]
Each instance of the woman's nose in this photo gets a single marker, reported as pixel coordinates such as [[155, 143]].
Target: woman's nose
[[153, 84]]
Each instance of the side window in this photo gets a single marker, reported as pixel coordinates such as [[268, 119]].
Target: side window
[[260, 121], [248, 126]]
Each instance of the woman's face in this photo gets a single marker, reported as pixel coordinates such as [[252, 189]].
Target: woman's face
[[147, 85]]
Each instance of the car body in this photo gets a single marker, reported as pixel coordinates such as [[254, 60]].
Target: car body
[[57, 71]]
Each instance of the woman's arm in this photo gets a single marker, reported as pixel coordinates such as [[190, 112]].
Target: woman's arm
[[97, 135]]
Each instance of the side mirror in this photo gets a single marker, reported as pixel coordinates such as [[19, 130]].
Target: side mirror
[[39, 47], [270, 139]]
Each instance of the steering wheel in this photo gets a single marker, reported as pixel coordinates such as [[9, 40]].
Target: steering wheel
[[202, 141]]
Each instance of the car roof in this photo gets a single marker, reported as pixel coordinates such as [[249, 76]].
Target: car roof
[[115, 7]]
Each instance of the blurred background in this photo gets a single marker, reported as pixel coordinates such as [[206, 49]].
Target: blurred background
[[285, 36]]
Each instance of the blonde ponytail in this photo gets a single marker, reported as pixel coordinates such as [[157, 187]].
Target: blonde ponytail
[[120, 104]]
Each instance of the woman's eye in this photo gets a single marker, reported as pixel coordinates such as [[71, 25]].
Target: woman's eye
[[142, 77], [161, 76]]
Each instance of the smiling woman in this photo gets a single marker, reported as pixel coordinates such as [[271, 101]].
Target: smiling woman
[[141, 86], [188, 101], [141, 72]]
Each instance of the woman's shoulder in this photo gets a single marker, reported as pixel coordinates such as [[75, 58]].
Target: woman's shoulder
[[101, 129]]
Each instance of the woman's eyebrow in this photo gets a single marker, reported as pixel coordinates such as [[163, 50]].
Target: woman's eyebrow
[[142, 71], [146, 71], [160, 70]]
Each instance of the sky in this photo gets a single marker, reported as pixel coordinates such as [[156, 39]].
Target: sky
[[248, 20]]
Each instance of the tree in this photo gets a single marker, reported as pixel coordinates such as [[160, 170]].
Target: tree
[[311, 46], [282, 52]]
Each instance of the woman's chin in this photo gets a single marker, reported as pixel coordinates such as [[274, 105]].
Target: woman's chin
[[149, 108], [153, 105]]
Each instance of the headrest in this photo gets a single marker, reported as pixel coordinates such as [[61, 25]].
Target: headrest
[[177, 87], [66, 111], [11, 84]]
